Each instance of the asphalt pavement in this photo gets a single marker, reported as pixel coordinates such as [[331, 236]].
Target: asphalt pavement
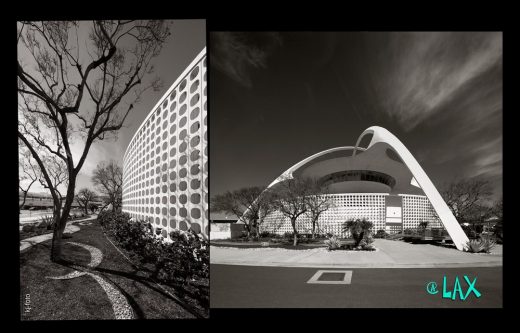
[[235, 286]]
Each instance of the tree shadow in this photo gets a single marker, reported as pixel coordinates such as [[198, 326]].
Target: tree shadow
[[151, 284], [137, 309], [200, 295], [145, 281]]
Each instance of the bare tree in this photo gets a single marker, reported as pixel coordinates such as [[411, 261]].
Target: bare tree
[[498, 209], [317, 203], [109, 181], [267, 205], [84, 198], [71, 84], [29, 172], [248, 203], [293, 199], [467, 199]]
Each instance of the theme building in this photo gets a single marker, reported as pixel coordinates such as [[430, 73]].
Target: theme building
[[382, 183]]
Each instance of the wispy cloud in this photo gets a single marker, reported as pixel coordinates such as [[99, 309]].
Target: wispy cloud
[[236, 54], [423, 72]]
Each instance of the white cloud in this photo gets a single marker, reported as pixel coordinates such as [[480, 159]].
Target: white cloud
[[427, 69]]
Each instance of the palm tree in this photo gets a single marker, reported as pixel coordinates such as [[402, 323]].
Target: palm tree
[[357, 228]]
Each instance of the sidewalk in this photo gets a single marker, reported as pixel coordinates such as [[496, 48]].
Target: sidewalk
[[69, 228], [389, 254]]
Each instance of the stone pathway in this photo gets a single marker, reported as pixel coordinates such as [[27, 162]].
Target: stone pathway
[[122, 310], [69, 228]]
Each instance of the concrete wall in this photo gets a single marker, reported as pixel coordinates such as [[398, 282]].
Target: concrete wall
[[165, 172], [226, 230], [371, 206]]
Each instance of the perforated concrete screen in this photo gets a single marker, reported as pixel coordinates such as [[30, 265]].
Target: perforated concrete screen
[[371, 206], [165, 172]]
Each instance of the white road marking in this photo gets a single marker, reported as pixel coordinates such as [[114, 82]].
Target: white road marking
[[347, 277]]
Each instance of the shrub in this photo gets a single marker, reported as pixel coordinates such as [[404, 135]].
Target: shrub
[[487, 244], [423, 224], [357, 228], [381, 233], [498, 231], [46, 222], [288, 235], [369, 239], [480, 245], [322, 236], [133, 236], [368, 248], [28, 228], [332, 243], [470, 232], [267, 234], [474, 246], [185, 258], [365, 243]]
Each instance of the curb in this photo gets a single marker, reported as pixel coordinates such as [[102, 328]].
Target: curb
[[374, 265]]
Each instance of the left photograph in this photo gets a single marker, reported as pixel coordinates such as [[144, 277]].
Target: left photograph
[[113, 169]]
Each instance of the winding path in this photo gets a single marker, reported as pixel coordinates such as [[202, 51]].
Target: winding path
[[69, 228]]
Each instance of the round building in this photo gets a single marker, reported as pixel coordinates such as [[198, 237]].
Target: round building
[[165, 167], [382, 183]]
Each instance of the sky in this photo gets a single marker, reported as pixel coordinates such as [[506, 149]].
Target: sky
[[187, 39], [278, 97]]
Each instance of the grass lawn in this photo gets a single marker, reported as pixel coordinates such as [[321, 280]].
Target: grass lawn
[[82, 297]]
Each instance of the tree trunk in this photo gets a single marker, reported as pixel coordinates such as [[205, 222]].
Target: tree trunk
[[248, 230], [56, 242], [257, 231], [295, 234], [23, 203], [61, 222], [313, 228]]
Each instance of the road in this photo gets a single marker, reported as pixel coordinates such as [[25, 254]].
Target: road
[[234, 286]]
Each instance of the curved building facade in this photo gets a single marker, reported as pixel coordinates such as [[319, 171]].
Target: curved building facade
[[165, 167], [382, 182]]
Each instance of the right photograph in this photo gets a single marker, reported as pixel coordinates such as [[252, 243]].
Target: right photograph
[[356, 169]]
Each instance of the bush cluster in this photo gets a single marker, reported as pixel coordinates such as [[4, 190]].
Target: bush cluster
[[381, 233], [483, 245], [357, 228], [332, 243], [268, 234], [183, 259]]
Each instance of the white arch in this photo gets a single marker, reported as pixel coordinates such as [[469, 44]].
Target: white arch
[[288, 174], [453, 227]]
